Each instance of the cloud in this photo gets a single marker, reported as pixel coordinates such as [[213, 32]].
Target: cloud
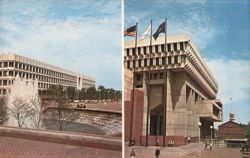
[[183, 18], [233, 78]]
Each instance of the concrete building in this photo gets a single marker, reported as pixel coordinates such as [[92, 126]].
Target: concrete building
[[46, 74], [191, 91]]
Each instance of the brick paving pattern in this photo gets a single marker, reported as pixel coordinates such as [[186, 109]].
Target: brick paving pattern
[[216, 153], [23, 148]]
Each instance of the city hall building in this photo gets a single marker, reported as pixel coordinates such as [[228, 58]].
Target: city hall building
[[47, 75], [186, 107]]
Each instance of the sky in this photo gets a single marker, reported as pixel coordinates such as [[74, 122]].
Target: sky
[[83, 36], [220, 31]]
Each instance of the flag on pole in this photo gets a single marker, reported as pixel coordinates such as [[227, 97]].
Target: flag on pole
[[131, 31], [160, 29], [147, 32]]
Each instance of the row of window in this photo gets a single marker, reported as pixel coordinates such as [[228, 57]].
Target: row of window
[[155, 49], [155, 61], [40, 78], [36, 69], [4, 91]]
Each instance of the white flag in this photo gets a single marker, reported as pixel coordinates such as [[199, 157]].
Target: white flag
[[147, 32]]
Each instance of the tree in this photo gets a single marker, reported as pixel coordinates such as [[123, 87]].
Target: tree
[[92, 93], [3, 110], [38, 107], [248, 131], [82, 94], [21, 111], [63, 114], [71, 93]]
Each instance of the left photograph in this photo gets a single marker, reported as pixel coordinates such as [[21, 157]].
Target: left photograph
[[60, 79]]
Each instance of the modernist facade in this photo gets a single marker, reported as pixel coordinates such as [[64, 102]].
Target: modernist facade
[[46, 74], [190, 98]]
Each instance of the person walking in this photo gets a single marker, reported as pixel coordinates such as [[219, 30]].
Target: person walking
[[157, 153], [132, 154]]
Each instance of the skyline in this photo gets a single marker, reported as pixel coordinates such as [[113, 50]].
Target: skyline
[[69, 34], [223, 42]]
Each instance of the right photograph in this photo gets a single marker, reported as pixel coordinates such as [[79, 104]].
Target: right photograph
[[186, 79]]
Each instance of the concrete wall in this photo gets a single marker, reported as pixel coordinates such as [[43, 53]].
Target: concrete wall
[[86, 140]]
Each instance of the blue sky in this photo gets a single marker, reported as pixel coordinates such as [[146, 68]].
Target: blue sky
[[220, 31], [79, 35]]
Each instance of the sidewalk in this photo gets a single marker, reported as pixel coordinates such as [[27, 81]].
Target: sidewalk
[[25, 148], [187, 151]]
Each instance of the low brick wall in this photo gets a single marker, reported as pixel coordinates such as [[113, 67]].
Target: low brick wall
[[69, 138]]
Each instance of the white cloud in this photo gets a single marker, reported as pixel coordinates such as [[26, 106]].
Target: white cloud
[[233, 78]]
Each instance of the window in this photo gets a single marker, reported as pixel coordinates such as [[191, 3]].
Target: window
[[145, 62], [156, 49], [175, 46], [181, 46], [139, 51], [133, 63], [155, 76], [11, 64], [133, 51], [5, 82], [127, 50], [163, 48], [157, 61], [5, 64], [176, 59], [139, 63], [138, 77], [169, 47], [150, 49], [144, 50], [169, 60], [151, 62], [161, 75], [163, 61]]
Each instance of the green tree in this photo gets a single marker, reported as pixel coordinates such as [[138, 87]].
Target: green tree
[[82, 94], [71, 93], [248, 131], [92, 93]]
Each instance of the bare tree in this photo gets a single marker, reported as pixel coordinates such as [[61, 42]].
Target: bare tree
[[38, 108], [3, 110], [63, 114], [21, 111]]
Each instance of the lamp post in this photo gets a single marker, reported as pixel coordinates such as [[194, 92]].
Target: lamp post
[[99, 94], [199, 124], [211, 128]]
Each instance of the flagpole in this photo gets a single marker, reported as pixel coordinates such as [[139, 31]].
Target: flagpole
[[132, 107], [148, 85], [165, 87]]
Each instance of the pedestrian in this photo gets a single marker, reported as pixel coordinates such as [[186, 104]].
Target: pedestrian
[[132, 154], [157, 153], [189, 140], [211, 145], [206, 144]]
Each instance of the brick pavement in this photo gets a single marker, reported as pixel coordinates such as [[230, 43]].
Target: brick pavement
[[24, 148]]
